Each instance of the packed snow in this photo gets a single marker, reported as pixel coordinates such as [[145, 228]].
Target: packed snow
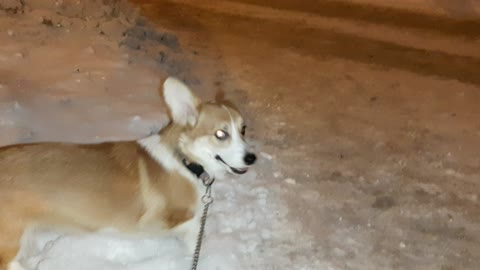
[[243, 219], [67, 77], [245, 222]]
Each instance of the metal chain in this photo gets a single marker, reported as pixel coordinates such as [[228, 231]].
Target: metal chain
[[207, 199]]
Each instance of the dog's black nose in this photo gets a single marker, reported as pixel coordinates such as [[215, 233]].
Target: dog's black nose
[[249, 158]]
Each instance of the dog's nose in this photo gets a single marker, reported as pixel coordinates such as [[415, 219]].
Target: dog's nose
[[249, 158]]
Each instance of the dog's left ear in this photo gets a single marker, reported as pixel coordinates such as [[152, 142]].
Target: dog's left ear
[[181, 101]]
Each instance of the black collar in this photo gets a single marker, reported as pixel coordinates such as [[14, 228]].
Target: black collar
[[193, 167], [196, 169]]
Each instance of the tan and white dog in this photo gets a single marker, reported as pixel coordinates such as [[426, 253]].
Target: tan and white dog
[[147, 186]]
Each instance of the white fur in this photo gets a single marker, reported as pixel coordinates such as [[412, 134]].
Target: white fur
[[164, 155], [160, 152], [15, 266], [153, 202], [203, 150], [183, 108], [233, 155], [182, 103], [189, 231]]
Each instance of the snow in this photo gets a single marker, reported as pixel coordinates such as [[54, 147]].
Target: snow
[[62, 80], [109, 249], [245, 221], [372, 191], [67, 80]]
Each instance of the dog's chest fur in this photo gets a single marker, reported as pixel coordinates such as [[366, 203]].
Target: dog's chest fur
[[181, 187]]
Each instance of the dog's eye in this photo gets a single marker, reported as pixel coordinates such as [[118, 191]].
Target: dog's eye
[[221, 135], [244, 129]]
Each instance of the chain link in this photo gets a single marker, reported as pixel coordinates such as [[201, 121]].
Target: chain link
[[207, 199]]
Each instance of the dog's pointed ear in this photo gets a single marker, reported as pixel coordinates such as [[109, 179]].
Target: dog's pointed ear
[[183, 104]]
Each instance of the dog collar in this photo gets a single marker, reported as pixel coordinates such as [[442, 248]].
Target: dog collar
[[195, 168], [198, 170]]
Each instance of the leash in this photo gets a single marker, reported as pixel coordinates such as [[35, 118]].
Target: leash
[[207, 199]]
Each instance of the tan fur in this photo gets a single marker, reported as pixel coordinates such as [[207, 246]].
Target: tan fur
[[88, 186], [213, 117]]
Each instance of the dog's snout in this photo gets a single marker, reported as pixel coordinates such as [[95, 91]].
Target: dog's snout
[[249, 158]]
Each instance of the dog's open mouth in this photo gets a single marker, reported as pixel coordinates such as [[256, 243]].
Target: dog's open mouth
[[235, 170]]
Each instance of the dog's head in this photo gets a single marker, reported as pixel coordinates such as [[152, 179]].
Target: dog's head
[[213, 133]]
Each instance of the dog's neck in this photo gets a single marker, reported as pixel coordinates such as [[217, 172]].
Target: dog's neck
[[170, 135], [195, 168]]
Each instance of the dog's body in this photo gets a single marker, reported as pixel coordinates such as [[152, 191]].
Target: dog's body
[[143, 186]]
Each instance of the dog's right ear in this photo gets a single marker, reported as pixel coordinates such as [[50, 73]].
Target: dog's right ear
[[181, 101]]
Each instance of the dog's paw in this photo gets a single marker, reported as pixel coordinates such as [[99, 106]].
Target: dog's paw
[[15, 266]]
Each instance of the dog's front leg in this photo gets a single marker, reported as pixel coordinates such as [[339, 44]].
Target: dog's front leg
[[15, 266], [10, 235], [188, 231]]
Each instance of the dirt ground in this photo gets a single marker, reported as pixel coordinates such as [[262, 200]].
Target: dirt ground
[[368, 122], [365, 119]]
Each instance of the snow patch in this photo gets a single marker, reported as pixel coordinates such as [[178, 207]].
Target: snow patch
[[109, 249]]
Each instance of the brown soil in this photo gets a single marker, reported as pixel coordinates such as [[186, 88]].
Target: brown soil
[[380, 140]]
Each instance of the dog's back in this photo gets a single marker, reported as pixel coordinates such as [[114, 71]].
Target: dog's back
[[83, 186]]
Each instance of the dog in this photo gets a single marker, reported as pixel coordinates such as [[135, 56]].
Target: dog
[[150, 186]]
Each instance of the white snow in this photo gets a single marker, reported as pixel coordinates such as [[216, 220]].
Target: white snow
[[290, 181], [245, 222], [109, 249], [67, 82]]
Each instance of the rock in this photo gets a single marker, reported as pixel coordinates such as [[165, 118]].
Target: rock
[[114, 29], [19, 55], [339, 252], [161, 57], [16, 106], [46, 17], [136, 118], [290, 181], [132, 43], [383, 202], [227, 230], [14, 6], [43, 4], [89, 50], [146, 33], [266, 156], [266, 234], [454, 173]]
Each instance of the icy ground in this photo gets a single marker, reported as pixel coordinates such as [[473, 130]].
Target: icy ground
[[64, 83], [365, 121], [244, 216], [65, 76]]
